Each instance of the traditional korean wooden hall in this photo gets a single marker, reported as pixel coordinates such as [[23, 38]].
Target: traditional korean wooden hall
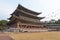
[[25, 20]]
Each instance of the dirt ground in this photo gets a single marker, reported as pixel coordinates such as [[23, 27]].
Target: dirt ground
[[4, 36], [35, 36]]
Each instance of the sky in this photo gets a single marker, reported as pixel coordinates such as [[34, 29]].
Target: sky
[[50, 8]]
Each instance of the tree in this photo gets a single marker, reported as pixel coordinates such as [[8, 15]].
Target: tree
[[58, 22], [3, 24]]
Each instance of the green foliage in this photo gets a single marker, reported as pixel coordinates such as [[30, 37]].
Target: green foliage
[[52, 22], [3, 24], [58, 22]]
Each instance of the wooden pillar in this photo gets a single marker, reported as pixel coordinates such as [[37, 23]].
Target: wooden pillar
[[17, 27], [17, 24]]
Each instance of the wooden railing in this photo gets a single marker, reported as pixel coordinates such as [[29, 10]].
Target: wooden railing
[[27, 19]]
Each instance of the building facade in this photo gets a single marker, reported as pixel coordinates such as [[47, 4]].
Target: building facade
[[25, 20]]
